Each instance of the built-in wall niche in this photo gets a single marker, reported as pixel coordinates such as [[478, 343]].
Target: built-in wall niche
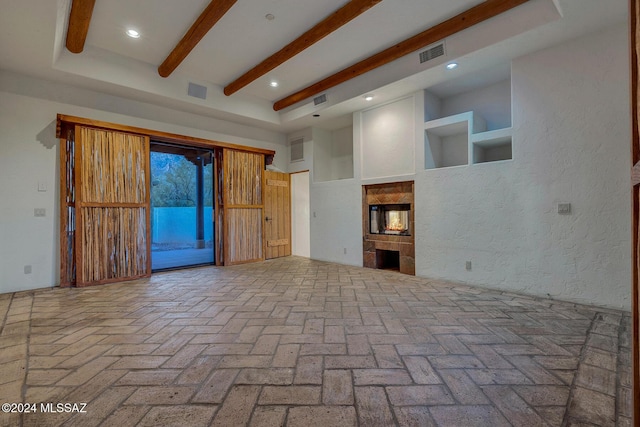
[[388, 139], [468, 128], [492, 146], [332, 154]]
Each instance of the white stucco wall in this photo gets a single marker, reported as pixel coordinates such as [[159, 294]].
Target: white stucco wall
[[29, 153], [336, 221], [570, 144]]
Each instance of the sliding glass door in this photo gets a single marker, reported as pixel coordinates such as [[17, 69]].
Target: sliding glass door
[[182, 228]]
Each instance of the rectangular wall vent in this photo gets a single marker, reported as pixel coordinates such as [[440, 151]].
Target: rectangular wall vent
[[431, 53], [197, 91], [297, 150], [320, 99]]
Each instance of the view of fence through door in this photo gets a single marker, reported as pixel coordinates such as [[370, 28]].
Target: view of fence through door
[[182, 220]]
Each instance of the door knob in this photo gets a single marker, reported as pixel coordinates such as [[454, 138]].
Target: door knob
[[267, 218]]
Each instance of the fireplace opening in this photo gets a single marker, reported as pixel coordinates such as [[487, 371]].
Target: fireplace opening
[[388, 260], [389, 219]]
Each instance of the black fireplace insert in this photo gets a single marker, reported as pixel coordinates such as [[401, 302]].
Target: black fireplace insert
[[389, 219]]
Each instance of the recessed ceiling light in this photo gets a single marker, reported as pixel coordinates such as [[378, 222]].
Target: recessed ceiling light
[[368, 98], [269, 17], [452, 65], [273, 83], [133, 33]]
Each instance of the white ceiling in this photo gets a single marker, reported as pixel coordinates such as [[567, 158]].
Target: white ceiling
[[32, 34]]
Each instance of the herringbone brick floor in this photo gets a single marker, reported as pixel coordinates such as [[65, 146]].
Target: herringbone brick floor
[[304, 343]]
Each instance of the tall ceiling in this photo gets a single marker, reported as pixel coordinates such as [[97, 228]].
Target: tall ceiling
[[33, 32]]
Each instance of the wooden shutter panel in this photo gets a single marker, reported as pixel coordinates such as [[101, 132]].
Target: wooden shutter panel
[[243, 206], [112, 206]]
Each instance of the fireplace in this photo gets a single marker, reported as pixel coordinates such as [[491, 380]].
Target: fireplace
[[389, 219], [387, 226]]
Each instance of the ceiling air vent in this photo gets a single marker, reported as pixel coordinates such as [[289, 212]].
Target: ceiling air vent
[[297, 150], [431, 53], [197, 91], [320, 99]]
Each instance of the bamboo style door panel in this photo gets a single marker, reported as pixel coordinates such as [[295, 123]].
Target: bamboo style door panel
[[243, 206], [112, 206], [277, 214], [67, 209]]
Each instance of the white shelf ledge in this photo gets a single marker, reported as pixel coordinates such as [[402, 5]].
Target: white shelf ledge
[[492, 138], [450, 125]]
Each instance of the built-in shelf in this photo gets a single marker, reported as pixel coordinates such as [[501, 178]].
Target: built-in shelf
[[492, 146], [462, 139], [332, 154], [448, 126], [492, 137]]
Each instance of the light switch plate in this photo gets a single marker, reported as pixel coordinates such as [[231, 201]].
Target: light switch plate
[[564, 208]]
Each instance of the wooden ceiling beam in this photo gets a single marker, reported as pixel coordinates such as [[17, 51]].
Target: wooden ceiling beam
[[331, 23], [78, 28], [207, 19], [483, 11]]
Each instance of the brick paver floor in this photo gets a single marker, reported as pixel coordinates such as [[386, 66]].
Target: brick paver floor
[[297, 342]]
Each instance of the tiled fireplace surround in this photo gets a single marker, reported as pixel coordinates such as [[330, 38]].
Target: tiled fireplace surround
[[374, 245]]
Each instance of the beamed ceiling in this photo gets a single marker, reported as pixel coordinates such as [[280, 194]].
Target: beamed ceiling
[[236, 48]]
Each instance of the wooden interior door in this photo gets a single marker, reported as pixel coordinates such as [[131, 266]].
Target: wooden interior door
[[277, 214], [635, 188]]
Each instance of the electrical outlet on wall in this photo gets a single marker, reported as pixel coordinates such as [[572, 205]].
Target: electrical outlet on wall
[[564, 208], [468, 265], [27, 269], [39, 212], [345, 251]]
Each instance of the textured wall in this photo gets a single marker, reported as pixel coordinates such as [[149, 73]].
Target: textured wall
[[570, 144], [336, 221]]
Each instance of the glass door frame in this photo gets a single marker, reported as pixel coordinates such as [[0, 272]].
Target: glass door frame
[[196, 157]]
